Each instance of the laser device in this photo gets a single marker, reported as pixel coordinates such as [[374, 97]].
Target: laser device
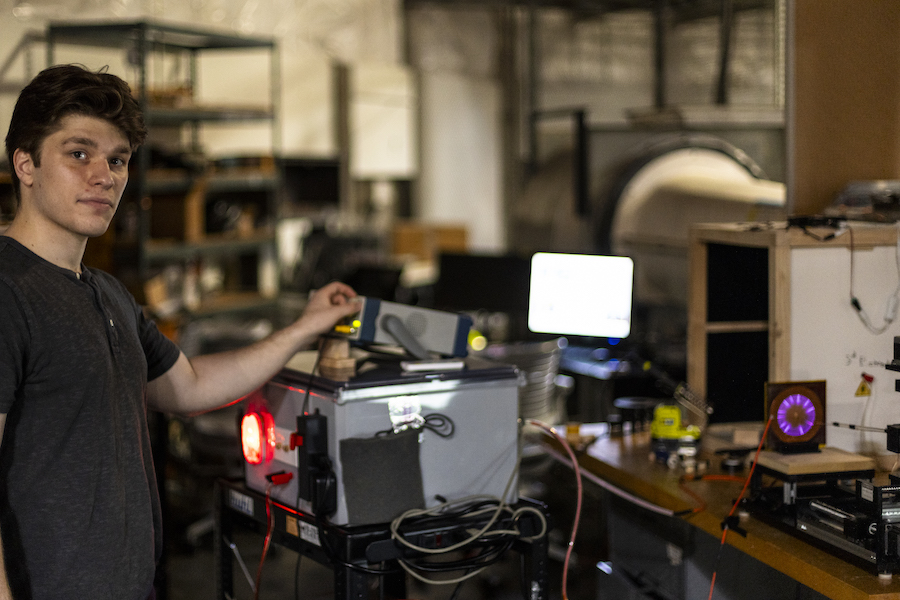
[[421, 331]]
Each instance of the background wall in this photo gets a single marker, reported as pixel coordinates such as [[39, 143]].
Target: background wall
[[313, 36], [600, 63], [455, 54], [467, 92], [845, 350]]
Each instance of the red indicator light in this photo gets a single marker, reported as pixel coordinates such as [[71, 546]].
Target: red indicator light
[[258, 437], [269, 426], [252, 438]]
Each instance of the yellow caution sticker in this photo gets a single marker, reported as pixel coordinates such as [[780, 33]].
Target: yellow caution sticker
[[864, 388]]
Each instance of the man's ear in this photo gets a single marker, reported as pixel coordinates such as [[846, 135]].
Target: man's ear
[[24, 166]]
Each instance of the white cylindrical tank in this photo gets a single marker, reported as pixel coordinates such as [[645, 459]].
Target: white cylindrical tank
[[666, 196]]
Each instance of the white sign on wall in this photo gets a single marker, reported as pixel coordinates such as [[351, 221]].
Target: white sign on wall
[[830, 342]]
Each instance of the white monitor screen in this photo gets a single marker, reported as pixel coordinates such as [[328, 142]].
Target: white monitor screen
[[580, 294]]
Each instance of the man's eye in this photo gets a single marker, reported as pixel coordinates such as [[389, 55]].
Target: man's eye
[[79, 154], [118, 162]]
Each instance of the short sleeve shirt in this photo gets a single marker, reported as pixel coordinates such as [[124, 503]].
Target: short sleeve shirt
[[79, 508]]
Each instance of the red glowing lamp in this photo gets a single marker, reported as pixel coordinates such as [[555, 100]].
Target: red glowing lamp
[[258, 437]]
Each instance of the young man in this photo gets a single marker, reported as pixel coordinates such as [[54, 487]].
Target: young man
[[79, 363]]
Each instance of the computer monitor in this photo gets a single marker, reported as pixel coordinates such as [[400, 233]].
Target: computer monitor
[[581, 295], [491, 287], [491, 282]]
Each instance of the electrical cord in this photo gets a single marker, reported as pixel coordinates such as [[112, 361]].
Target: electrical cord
[[637, 501], [270, 526], [488, 555], [485, 532], [305, 411], [442, 425], [315, 367], [280, 478], [297, 576], [701, 503], [577, 468], [447, 514], [840, 227], [465, 504], [472, 507], [890, 311], [804, 222], [730, 518]]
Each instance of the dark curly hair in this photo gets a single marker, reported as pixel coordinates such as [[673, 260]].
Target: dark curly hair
[[60, 91]]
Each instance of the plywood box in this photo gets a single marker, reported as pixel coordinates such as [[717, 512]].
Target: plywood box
[[844, 97], [771, 303], [829, 460]]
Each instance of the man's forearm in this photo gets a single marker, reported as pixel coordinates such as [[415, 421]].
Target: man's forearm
[[208, 382]]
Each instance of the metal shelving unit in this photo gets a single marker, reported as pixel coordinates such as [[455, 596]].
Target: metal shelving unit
[[138, 254]]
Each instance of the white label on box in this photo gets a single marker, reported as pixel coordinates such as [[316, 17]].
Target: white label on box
[[867, 492], [405, 412], [309, 533], [241, 502], [305, 506]]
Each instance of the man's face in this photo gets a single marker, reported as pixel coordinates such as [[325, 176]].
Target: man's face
[[78, 185]]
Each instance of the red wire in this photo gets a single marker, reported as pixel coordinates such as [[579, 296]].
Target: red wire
[[740, 497], [270, 526], [722, 478], [752, 467], [577, 469]]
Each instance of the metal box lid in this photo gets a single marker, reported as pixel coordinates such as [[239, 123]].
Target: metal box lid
[[383, 375]]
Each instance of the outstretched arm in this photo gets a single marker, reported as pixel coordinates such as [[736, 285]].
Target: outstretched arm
[[203, 383]]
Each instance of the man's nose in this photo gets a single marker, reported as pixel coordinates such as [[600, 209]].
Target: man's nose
[[101, 174]]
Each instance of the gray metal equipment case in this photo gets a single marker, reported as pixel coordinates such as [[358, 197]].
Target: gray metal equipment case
[[480, 458]]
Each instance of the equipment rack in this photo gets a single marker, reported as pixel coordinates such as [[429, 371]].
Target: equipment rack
[[356, 551]]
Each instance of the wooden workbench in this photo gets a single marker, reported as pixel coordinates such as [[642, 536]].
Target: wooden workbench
[[624, 461]]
